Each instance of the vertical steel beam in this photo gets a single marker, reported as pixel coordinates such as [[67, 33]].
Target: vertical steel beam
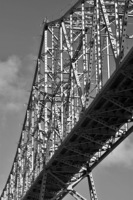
[[84, 49], [124, 29], [117, 26], [92, 52], [45, 76], [62, 95], [52, 90], [96, 68], [99, 57], [108, 56], [72, 75]]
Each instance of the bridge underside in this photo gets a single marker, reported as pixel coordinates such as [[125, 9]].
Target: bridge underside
[[106, 121]]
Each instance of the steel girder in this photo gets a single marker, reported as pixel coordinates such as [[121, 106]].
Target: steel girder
[[72, 116]]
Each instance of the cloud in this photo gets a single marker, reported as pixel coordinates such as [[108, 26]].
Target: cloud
[[9, 71], [122, 155], [14, 80]]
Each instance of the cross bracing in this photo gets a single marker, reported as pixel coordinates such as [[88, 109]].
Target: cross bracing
[[80, 105]]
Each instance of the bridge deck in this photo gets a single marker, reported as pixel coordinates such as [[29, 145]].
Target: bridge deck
[[111, 108]]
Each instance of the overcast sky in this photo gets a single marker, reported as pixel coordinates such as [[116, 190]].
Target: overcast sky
[[20, 28]]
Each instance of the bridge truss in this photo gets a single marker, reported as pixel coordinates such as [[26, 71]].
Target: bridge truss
[[81, 100]]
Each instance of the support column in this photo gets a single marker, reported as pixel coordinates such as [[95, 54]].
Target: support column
[[93, 194]]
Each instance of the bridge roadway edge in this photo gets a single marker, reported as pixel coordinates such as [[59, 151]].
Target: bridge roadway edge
[[126, 61]]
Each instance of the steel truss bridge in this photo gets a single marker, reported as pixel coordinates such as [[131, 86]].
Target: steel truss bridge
[[81, 102]]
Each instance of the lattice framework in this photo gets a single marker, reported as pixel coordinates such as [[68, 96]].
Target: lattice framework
[[77, 55]]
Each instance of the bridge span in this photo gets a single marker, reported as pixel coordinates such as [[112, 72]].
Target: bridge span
[[102, 127], [81, 102]]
